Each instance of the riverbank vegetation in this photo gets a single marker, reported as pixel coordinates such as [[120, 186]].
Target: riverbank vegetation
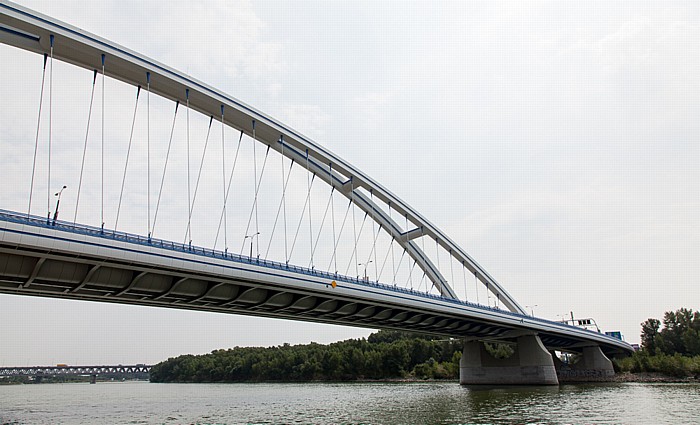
[[673, 350], [383, 355]]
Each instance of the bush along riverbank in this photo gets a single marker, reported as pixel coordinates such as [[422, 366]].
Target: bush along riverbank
[[385, 355], [671, 353], [645, 367]]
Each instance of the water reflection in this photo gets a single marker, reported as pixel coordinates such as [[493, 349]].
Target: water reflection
[[367, 403]]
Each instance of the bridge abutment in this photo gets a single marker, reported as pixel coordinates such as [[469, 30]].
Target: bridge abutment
[[530, 364], [592, 366]]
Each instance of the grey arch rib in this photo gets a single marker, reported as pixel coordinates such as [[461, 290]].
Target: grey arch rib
[[29, 30]]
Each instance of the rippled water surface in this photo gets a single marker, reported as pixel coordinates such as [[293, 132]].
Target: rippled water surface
[[375, 403]]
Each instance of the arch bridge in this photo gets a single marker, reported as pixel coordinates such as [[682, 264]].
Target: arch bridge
[[319, 240]]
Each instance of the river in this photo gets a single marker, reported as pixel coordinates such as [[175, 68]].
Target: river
[[328, 403]]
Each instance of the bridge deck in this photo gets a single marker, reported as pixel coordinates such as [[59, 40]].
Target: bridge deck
[[67, 260]]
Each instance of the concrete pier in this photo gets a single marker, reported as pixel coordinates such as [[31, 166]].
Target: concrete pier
[[592, 366], [531, 364]]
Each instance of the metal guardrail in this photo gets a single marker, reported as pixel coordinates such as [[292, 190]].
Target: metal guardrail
[[42, 222]]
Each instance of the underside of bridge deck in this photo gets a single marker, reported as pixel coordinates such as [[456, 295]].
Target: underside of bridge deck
[[72, 278], [54, 274]]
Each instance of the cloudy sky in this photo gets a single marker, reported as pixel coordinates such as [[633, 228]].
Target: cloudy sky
[[557, 142]]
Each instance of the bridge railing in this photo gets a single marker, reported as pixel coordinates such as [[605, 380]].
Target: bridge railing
[[43, 222]]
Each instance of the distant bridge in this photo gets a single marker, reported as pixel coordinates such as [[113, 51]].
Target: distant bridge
[[408, 274], [61, 370]]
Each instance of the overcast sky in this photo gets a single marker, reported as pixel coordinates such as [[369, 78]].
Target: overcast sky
[[557, 142]]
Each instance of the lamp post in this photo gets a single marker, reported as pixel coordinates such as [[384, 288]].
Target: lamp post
[[251, 242], [532, 309], [365, 278], [58, 202]]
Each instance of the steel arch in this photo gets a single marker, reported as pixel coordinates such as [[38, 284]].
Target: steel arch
[[30, 30]]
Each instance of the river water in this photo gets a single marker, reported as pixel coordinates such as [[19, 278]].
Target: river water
[[367, 403]]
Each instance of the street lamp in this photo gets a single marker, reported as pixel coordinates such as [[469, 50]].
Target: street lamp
[[58, 201], [532, 309], [366, 278], [251, 242]]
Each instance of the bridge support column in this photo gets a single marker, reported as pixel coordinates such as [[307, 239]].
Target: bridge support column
[[93, 379], [531, 364], [592, 366]]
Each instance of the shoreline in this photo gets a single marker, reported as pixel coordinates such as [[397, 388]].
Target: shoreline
[[653, 377], [619, 378]]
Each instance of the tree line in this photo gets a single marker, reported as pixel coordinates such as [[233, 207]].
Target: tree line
[[672, 350], [383, 355], [680, 334]]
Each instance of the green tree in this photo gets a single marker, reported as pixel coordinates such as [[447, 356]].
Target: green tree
[[385, 354], [680, 334], [650, 330]]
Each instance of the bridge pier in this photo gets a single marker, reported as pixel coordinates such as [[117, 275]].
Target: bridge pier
[[592, 366], [531, 364]]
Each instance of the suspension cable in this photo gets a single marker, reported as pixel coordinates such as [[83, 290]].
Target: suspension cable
[[386, 258], [36, 140], [253, 208], [87, 133], [257, 229], [323, 221], [199, 175], [410, 274], [279, 208], [464, 276], [396, 271], [362, 226], [410, 270], [354, 228], [301, 219], [374, 244], [284, 205], [102, 151], [223, 176], [148, 151], [189, 198], [422, 255], [330, 178], [227, 191], [165, 168], [48, 186], [340, 234], [311, 232], [393, 261], [393, 258], [128, 152], [437, 252], [476, 286], [488, 294], [452, 272]]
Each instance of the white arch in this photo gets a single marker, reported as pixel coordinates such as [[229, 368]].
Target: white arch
[[29, 30]]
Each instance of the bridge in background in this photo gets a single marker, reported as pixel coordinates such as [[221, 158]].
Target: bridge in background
[[139, 371], [65, 370], [45, 256]]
